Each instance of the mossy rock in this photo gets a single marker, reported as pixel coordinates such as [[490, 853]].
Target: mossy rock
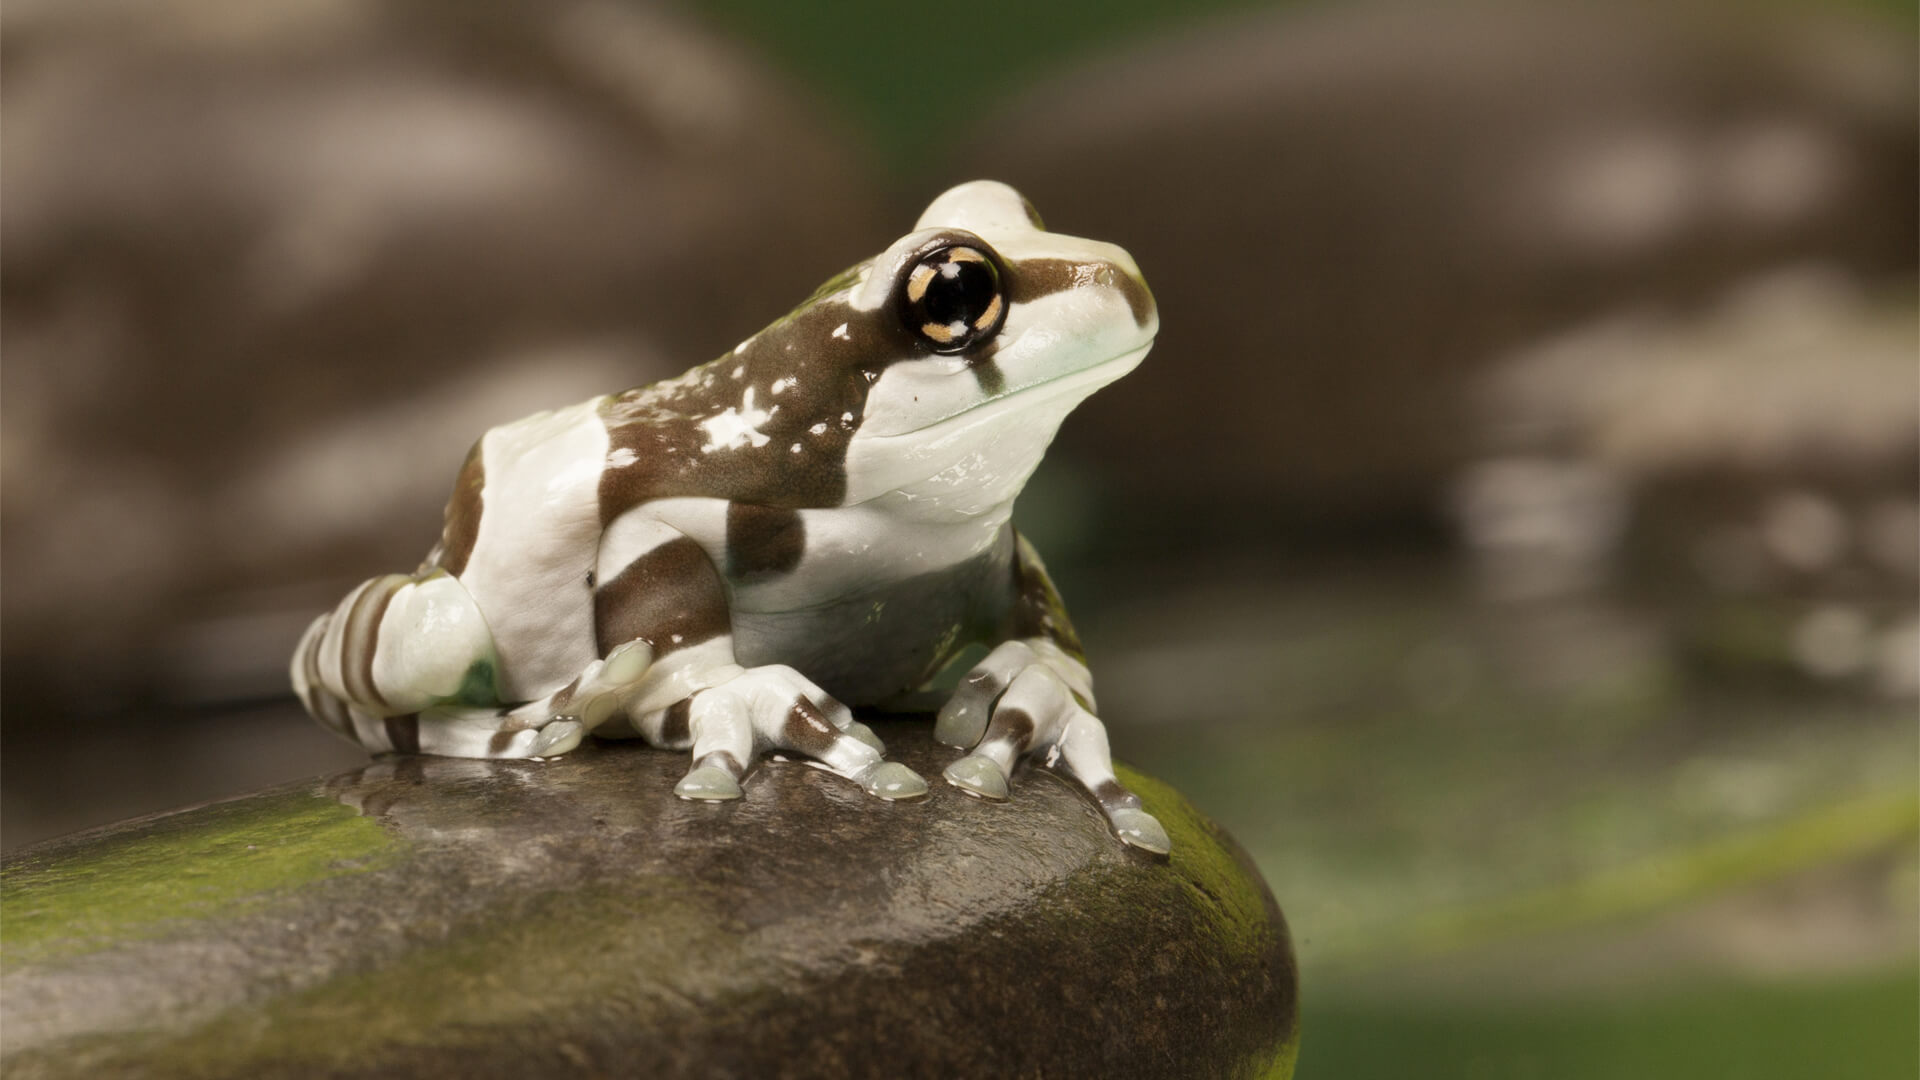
[[435, 916]]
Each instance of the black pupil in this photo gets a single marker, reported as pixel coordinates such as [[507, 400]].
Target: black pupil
[[959, 292]]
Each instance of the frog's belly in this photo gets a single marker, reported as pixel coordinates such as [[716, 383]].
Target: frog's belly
[[876, 644]]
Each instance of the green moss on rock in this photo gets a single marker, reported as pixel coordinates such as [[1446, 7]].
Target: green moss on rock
[[77, 897]]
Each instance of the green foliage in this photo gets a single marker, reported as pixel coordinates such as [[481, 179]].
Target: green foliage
[[1861, 1028], [916, 75]]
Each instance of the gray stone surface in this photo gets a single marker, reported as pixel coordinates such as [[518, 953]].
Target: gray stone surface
[[572, 918]]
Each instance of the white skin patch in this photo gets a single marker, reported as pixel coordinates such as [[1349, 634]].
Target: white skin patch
[[841, 332], [736, 428], [541, 513]]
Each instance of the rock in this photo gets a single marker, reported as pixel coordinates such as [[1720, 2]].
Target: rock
[[425, 915], [1347, 211]]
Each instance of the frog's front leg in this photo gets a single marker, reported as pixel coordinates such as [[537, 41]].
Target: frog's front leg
[[694, 694], [1032, 695], [751, 712]]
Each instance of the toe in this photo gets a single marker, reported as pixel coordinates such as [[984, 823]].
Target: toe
[[628, 662], [708, 783], [980, 776], [865, 734], [963, 719], [557, 738], [892, 780], [1142, 830]]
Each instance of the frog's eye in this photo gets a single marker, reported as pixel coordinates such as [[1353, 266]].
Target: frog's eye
[[952, 298]]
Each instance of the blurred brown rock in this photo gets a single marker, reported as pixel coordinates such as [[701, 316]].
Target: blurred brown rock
[[1346, 212], [270, 269], [1756, 462]]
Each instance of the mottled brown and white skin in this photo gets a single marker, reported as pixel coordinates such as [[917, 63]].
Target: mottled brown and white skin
[[726, 561]]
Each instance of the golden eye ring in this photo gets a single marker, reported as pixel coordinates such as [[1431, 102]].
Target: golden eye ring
[[953, 299]]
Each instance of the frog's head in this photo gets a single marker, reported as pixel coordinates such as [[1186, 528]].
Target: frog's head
[[1003, 327]]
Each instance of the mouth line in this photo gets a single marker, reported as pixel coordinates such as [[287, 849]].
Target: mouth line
[[1043, 390]]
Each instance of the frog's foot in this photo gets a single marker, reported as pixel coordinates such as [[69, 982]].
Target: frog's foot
[[544, 727], [963, 719], [1026, 699], [774, 708]]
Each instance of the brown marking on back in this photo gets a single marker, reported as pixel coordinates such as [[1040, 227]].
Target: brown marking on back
[[655, 432], [670, 597], [823, 375], [462, 526], [763, 540], [1030, 279], [403, 732]]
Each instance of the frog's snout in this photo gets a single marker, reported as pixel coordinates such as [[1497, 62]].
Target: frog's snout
[[1124, 277]]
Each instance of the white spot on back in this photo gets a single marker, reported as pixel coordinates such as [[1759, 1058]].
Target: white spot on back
[[841, 332], [736, 427]]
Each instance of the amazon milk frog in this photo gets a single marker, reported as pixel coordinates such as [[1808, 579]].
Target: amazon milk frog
[[724, 562]]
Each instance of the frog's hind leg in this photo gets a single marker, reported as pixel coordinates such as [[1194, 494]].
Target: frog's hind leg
[[406, 663], [544, 727]]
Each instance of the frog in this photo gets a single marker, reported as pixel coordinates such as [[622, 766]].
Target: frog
[[726, 563]]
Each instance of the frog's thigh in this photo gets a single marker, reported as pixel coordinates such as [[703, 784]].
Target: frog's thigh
[[396, 645]]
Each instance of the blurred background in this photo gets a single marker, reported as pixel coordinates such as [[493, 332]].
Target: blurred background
[[1512, 539]]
